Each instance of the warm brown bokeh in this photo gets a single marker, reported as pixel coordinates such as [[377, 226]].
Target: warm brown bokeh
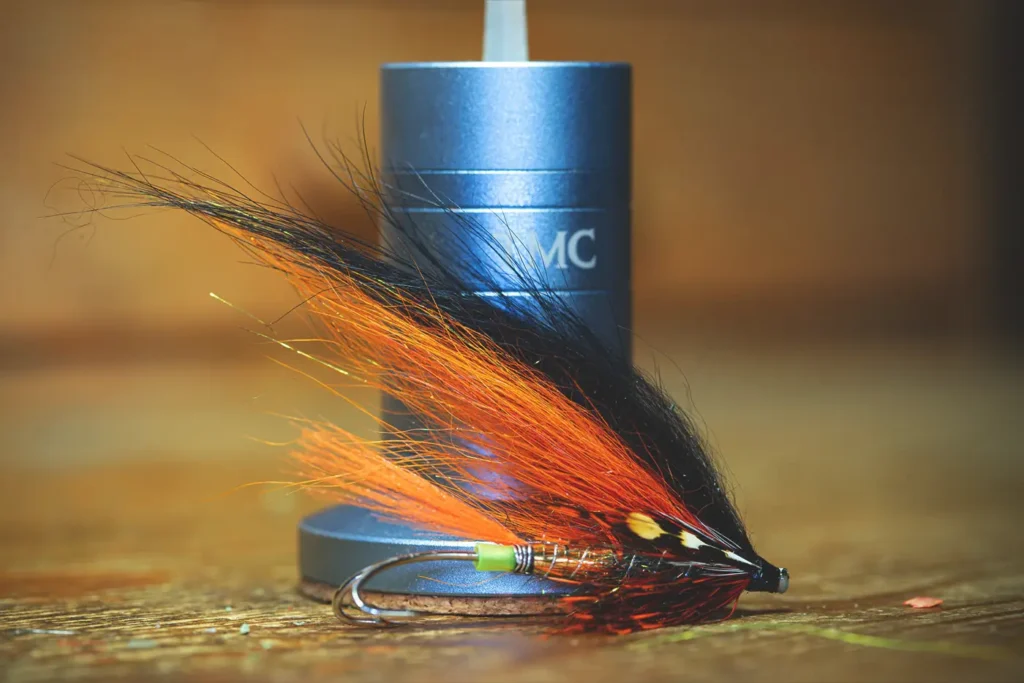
[[808, 164]]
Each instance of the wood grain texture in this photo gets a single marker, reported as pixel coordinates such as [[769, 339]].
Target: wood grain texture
[[874, 476]]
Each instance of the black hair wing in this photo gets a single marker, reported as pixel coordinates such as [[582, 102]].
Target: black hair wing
[[540, 330], [543, 331]]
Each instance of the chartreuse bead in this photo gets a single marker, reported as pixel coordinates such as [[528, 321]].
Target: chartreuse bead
[[491, 557]]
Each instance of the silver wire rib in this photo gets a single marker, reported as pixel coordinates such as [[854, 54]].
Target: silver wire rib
[[524, 558]]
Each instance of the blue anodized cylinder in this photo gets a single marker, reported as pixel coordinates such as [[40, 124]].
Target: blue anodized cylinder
[[541, 150], [538, 149]]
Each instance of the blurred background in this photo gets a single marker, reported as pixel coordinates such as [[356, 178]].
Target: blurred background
[[803, 168], [827, 242]]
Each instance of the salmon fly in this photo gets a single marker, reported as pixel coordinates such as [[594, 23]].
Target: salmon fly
[[546, 448]]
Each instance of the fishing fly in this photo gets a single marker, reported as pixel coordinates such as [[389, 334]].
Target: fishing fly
[[551, 452]]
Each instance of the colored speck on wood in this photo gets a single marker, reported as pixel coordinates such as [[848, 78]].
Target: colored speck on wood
[[923, 602]]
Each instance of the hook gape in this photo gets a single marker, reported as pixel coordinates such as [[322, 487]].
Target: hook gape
[[543, 559], [347, 599], [349, 605]]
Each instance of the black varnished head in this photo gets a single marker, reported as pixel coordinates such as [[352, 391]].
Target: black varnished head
[[769, 579]]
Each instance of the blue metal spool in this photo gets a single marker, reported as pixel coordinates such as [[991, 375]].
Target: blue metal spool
[[538, 149]]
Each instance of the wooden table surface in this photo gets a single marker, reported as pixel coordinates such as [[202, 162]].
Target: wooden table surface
[[128, 549]]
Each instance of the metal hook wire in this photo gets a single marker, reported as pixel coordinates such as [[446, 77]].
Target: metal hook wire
[[347, 597]]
